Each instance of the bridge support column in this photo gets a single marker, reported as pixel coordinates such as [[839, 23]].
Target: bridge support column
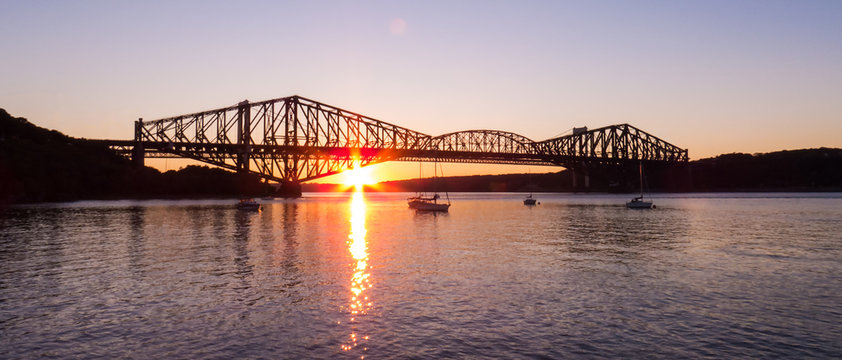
[[138, 152], [586, 179], [289, 190], [138, 156], [243, 136]]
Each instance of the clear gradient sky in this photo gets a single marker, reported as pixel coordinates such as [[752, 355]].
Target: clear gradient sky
[[712, 76]]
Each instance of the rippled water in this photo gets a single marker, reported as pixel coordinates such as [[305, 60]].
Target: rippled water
[[336, 275]]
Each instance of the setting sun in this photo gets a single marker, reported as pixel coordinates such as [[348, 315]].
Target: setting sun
[[358, 176]]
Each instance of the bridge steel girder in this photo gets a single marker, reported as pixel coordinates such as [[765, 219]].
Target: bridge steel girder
[[295, 139]]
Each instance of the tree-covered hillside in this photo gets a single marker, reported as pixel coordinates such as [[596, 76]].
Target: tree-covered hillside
[[792, 170], [797, 170], [39, 165]]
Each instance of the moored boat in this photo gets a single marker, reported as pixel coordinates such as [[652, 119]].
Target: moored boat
[[529, 200], [427, 203], [637, 202], [422, 203], [249, 205]]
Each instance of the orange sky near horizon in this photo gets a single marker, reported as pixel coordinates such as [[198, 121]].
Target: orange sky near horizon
[[395, 170]]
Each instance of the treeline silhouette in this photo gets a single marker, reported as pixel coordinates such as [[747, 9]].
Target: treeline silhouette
[[40, 165], [792, 170]]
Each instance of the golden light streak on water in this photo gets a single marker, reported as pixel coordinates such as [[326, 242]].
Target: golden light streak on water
[[360, 280]]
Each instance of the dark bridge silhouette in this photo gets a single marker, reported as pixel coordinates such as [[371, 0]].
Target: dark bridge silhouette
[[294, 139]]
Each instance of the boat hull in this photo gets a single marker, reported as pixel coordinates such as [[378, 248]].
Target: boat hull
[[249, 207], [426, 206], [529, 201], [639, 205]]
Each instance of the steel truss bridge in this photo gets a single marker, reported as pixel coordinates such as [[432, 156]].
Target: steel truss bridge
[[295, 139]]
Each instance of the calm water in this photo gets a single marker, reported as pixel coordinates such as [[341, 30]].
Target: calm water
[[336, 275]]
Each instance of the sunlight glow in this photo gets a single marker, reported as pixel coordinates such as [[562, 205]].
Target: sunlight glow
[[360, 279], [358, 176]]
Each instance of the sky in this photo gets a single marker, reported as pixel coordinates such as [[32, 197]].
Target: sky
[[711, 76]]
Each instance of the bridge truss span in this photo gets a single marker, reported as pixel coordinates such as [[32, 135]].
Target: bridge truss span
[[295, 139], [611, 144], [490, 141], [288, 139]]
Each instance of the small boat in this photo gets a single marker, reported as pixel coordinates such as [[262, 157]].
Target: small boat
[[249, 205], [529, 200], [637, 202], [421, 203], [427, 203]]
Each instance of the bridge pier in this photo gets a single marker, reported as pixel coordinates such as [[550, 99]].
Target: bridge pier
[[586, 178], [289, 190], [243, 136], [138, 156], [138, 153]]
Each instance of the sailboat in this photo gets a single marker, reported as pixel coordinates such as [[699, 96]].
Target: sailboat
[[428, 203], [424, 203], [529, 200], [637, 202], [249, 204]]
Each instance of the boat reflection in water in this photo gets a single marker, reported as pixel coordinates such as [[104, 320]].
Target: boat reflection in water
[[360, 280]]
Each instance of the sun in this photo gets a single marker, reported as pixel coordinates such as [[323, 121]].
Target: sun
[[358, 176]]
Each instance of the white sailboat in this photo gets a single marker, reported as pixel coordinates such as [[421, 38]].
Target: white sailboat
[[637, 202], [428, 203]]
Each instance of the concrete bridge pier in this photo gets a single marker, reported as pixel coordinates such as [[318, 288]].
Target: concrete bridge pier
[[243, 136], [289, 190], [586, 179], [138, 153], [138, 156]]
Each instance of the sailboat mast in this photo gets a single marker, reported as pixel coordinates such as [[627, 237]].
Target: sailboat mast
[[640, 170]]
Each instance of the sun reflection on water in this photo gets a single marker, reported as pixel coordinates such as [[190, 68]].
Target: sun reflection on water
[[360, 280]]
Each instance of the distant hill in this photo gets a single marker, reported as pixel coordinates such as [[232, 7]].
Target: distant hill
[[791, 170], [38, 165]]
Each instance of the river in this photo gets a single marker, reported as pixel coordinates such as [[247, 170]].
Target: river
[[359, 275]]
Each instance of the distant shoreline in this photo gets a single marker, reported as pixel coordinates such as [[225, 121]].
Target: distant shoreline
[[233, 199], [315, 188], [40, 165]]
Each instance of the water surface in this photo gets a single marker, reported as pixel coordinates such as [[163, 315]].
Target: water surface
[[342, 275]]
